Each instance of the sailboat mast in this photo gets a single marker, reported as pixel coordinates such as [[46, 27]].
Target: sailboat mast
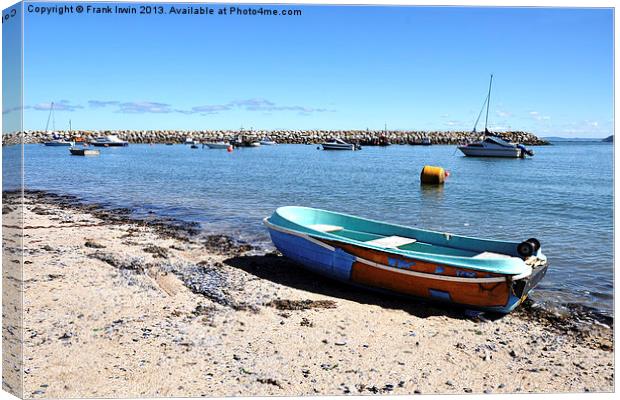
[[47, 125], [486, 120]]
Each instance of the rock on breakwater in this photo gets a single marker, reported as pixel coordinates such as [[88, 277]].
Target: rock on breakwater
[[364, 137]]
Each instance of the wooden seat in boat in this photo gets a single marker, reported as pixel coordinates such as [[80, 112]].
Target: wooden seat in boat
[[391, 241], [488, 254], [325, 228]]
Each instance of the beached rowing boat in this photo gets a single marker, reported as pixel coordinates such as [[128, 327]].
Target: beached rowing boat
[[475, 273]]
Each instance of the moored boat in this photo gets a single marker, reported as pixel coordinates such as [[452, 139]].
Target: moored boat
[[473, 273], [266, 141], [58, 142], [495, 146], [56, 139], [383, 139], [492, 145], [84, 151], [339, 144], [109, 141], [245, 141], [217, 145]]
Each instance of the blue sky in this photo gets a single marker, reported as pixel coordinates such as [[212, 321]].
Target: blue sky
[[331, 68], [11, 85]]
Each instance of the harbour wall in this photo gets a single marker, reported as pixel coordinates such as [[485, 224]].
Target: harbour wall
[[363, 137]]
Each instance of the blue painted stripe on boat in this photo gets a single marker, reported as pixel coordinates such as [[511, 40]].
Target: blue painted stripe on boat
[[400, 263], [439, 294], [466, 274], [439, 269], [342, 263], [335, 264]]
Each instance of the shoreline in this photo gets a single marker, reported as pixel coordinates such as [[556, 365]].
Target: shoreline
[[363, 137], [146, 307], [188, 230]]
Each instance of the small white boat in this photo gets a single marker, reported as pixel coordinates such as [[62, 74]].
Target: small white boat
[[109, 141], [253, 144], [84, 151], [493, 145], [339, 144], [217, 145], [189, 141], [266, 141]]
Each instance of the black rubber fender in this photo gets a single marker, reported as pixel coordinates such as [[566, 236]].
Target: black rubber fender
[[526, 249], [535, 242]]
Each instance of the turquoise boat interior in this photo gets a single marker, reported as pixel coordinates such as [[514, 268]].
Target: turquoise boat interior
[[430, 246]]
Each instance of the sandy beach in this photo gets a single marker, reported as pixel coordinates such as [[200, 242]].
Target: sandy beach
[[118, 307]]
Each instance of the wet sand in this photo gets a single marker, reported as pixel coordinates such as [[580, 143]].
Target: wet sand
[[116, 307]]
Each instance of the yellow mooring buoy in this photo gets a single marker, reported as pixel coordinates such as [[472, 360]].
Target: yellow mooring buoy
[[433, 175]]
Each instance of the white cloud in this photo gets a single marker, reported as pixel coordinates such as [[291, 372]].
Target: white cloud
[[62, 105], [453, 123], [586, 128], [140, 107], [255, 104], [538, 116]]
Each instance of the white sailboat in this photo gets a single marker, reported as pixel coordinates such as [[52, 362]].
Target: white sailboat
[[493, 145], [56, 139]]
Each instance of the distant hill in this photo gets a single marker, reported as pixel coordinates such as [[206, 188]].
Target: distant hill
[[570, 139], [609, 139]]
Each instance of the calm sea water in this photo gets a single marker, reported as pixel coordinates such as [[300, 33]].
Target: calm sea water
[[563, 196]]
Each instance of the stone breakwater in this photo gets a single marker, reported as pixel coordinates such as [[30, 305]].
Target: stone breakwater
[[363, 137]]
